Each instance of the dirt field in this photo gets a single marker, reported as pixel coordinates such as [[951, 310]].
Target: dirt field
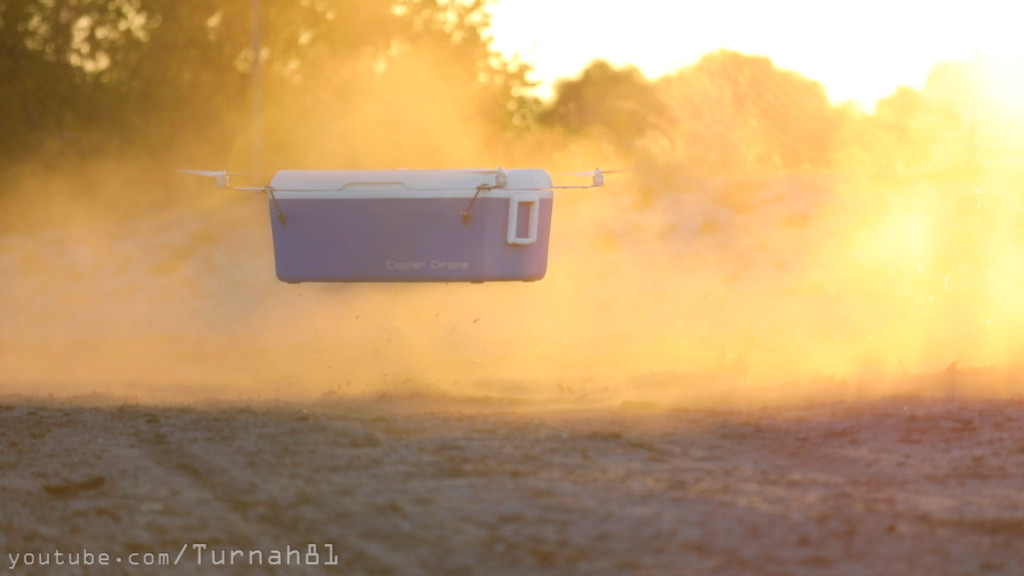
[[705, 410], [415, 485]]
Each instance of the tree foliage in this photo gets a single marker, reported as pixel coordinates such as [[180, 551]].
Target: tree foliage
[[154, 72], [732, 115], [738, 114], [605, 102], [930, 129], [62, 60], [353, 82]]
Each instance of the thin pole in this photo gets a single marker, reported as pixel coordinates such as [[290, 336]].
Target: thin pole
[[257, 86]]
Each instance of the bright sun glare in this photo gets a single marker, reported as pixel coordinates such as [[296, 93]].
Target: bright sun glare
[[859, 51]]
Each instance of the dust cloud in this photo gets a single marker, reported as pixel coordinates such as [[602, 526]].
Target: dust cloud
[[123, 278]]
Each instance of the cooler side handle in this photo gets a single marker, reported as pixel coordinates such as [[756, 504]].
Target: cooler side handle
[[513, 218]]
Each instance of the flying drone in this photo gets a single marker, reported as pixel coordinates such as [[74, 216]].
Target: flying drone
[[409, 225]]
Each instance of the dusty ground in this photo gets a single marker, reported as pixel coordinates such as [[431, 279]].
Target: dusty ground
[[419, 486], [239, 413]]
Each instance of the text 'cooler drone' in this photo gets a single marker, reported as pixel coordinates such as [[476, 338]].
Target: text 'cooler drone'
[[409, 225]]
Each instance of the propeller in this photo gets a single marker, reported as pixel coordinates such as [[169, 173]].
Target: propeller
[[592, 172], [597, 174], [222, 182], [218, 172], [221, 176]]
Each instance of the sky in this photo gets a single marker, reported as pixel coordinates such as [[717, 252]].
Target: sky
[[860, 51]]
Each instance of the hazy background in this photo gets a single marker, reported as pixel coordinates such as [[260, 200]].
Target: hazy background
[[860, 51], [768, 242]]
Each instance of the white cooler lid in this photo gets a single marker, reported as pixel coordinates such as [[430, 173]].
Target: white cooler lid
[[406, 183]]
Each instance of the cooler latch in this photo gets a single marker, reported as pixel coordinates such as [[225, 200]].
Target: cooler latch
[[513, 218]]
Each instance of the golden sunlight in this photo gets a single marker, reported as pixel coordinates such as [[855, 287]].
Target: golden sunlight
[[859, 51]]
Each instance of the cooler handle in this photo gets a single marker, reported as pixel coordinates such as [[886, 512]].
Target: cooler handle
[[513, 218]]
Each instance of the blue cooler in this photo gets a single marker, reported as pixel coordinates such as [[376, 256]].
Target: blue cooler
[[411, 225]]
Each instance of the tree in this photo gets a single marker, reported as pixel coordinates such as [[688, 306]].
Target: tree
[[168, 74], [737, 115], [930, 129], [61, 60], [434, 91], [606, 102]]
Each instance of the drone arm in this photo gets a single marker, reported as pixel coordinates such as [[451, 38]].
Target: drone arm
[[596, 182]]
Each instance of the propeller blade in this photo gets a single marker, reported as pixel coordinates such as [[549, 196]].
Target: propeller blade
[[213, 173], [591, 173], [204, 172]]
